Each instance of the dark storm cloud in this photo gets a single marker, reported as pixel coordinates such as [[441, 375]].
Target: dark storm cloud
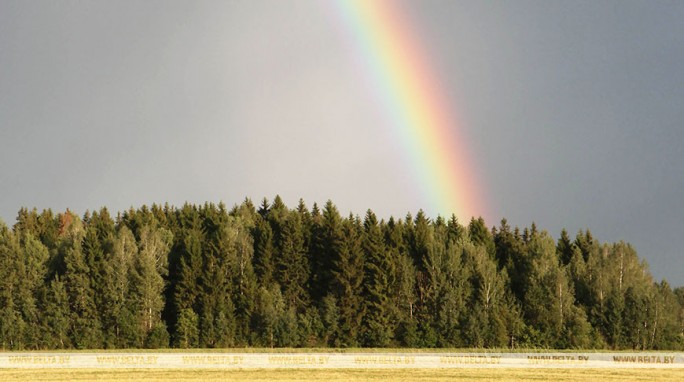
[[573, 110]]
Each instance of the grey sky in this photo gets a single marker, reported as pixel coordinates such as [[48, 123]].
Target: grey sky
[[574, 110]]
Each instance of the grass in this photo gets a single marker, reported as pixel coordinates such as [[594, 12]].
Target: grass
[[333, 375], [337, 350], [556, 375]]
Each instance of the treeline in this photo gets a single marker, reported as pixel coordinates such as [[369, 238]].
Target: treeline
[[205, 276]]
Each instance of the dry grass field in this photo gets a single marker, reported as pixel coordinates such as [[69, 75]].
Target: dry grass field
[[556, 375]]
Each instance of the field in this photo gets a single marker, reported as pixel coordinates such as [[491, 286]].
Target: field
[[332, 365], [556, 375]]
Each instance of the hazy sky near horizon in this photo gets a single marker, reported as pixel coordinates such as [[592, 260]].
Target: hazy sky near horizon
[[573, 111]]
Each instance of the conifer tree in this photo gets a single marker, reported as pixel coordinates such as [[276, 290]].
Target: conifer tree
[[188, 287], [511, 255], [456, 232], [565, 248], [217, 318], [347, 282], [243, 278], [293, 267], [264, 250], [34, 256], [405, 299], [420, 240], [329, 244], [379, 325], [56, 316], [480, 235], [446, 290], [98, 246], [147, 281], [12, 324], [281, 277], [86, 327], [124, 253]]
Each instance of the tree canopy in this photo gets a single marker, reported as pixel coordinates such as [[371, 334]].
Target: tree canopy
[[207, 276]]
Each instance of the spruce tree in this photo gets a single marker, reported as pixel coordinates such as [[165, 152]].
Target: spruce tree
[[565, 247], [34, 256], [379, 326], [264, 250], [445, 290], [86, 327], [56, 316], [217, 312], [188, 287], [329, 244], [125, 252], [480, 235], [12, 325], [147, 281], [347, 283], [293, 267], [243, 277]]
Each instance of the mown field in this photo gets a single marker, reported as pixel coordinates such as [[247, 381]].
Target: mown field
[[556, 375], [332, 375]]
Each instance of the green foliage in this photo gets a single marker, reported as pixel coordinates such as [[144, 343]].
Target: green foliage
[[346, 285], [293, 265], [207, 276], [379, 283], [264, 265], [146, 296], [187, 330]]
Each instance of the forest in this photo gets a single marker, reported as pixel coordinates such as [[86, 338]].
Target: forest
[[205, 276]]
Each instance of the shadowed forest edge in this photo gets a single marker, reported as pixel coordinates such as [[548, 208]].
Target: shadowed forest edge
[[270, 276]]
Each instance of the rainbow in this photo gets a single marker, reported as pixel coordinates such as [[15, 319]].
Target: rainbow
[[396, 66]]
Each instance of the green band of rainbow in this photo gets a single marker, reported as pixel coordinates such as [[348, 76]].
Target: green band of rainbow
[[412, 99]]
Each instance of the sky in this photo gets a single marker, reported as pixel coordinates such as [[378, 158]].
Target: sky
[[572, 112]]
